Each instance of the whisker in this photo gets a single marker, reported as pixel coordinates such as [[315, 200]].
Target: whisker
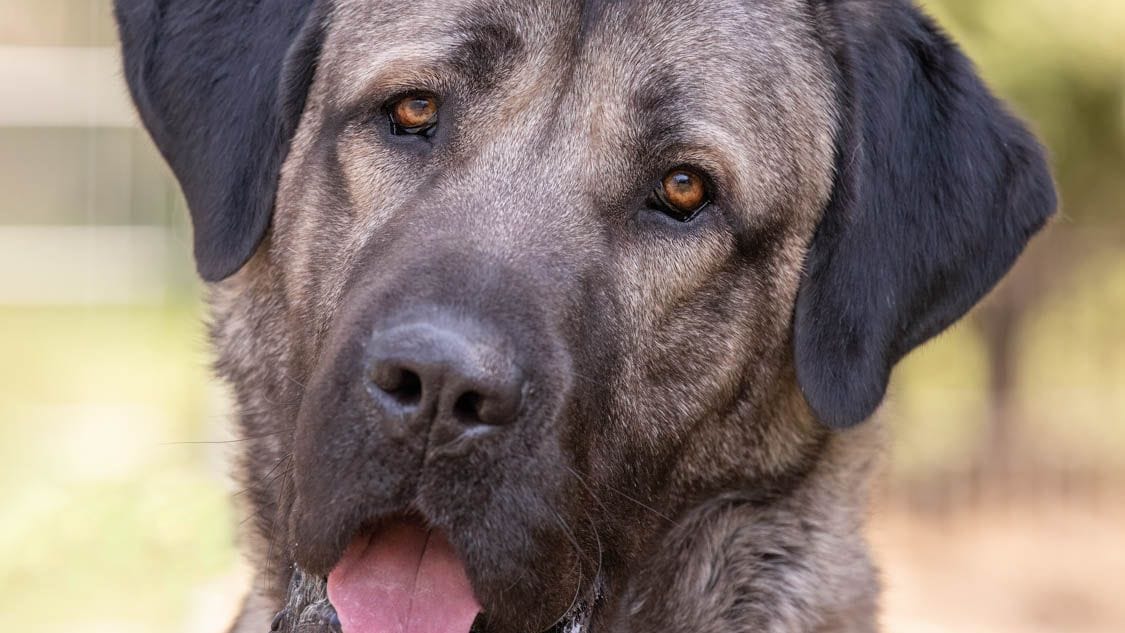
[[598, 539], [627, 496], [219, 442], [274, 531], [296, 382], [578, 565]]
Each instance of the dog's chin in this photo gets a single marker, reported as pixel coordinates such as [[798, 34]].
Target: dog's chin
[[404, 575]]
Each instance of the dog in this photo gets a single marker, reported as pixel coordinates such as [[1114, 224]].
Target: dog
[[547, 315]]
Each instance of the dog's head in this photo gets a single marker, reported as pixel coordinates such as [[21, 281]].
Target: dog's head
[[540, 276]]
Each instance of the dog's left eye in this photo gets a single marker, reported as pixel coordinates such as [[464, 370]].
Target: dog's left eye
[[415, 114], [682, 194]]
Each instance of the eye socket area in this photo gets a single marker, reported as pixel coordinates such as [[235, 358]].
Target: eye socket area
[[414, 114], [682, 193]]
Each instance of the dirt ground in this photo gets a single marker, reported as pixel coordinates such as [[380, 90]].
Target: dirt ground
[[1034, 567]]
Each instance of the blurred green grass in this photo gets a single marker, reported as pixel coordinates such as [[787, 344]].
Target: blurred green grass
[[110, 521]]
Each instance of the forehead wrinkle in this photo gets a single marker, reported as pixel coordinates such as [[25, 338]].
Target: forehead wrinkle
[[436, 38], [489, 46], [477, 48], [416, 66], [640, 94]]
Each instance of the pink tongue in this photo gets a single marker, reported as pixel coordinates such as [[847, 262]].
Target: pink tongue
[[404, 579]]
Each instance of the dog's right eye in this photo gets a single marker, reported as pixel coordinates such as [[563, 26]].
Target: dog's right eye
[[415, 114]]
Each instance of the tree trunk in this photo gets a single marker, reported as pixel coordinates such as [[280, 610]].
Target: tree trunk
[[999, 322]]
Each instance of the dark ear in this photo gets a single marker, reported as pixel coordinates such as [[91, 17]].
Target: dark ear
[[220, 85], [938, 190]]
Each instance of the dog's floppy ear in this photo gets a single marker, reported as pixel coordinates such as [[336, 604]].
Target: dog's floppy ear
[[220, 85], [938, 189]]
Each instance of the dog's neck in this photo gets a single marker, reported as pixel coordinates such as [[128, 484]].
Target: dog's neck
[[791, 558]]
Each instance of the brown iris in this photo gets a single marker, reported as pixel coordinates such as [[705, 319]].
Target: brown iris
[[683, 193], [415, 114]]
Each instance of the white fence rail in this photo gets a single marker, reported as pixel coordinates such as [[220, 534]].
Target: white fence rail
[[77, 265], [63, 87], [79, 87]]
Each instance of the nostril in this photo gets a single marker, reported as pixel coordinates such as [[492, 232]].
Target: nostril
[[409, 390], [402, 384], [467, 408], [486, 407]]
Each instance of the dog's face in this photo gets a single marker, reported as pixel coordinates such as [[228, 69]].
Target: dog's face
[[542, 276], [504, 319]]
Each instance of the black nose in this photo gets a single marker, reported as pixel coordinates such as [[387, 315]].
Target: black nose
[[455, 377]]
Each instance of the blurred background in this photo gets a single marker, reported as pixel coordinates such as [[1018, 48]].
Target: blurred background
[[1003, 510]]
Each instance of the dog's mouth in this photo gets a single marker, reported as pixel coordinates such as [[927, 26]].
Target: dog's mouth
[[402, 578]]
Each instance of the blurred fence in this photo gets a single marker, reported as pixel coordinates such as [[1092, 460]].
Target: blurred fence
[[89, 213]]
